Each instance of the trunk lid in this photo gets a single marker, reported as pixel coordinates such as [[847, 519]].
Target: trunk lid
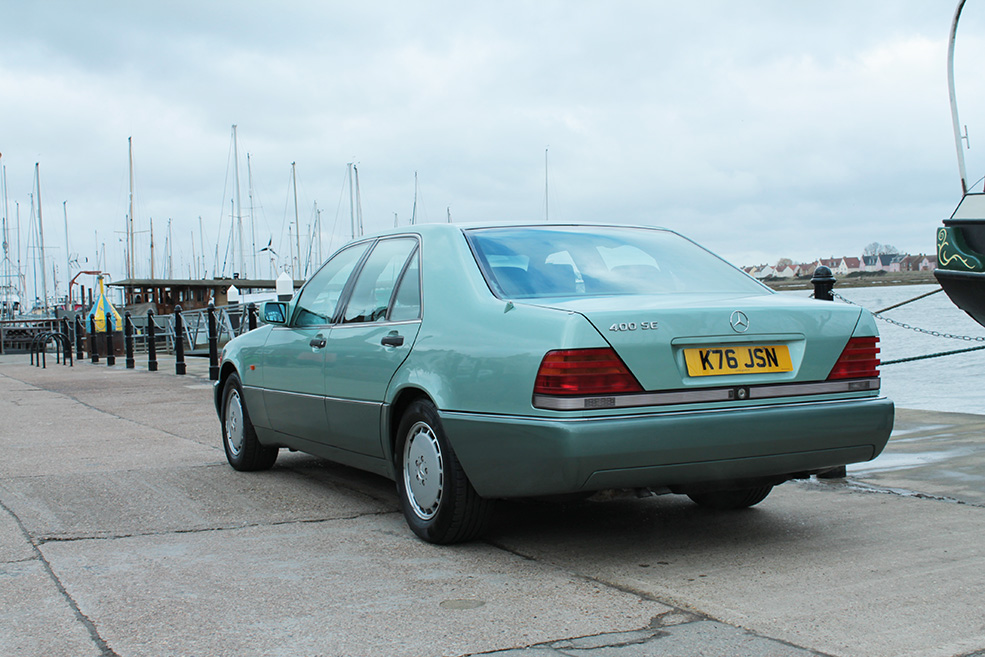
[[776, 338]]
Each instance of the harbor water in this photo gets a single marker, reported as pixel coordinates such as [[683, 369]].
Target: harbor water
[[946, 383]]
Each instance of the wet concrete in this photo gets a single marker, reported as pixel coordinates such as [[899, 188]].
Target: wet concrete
[[123, 532]]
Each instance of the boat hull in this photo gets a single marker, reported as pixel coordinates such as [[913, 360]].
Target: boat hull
[[961, 256]]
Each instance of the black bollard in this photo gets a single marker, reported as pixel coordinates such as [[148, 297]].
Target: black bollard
[[252, 312], [128, 340], [53, 335], [213, 344], [179, 342], [67, 341], [79, 333], [110, 347], [824, 281], [93, 348], [151, 342]]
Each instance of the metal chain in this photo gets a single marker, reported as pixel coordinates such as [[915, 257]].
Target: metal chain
[[936, 334]]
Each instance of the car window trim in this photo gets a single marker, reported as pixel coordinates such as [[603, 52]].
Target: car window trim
[[346, 289], [350, 284], [400, 281]]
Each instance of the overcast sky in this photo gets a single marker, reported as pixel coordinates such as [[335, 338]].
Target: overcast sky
[[760, 129]]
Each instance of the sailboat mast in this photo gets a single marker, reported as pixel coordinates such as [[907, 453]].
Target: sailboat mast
[[352, 205], [17, 208], [68, 257], [253, 228], [44, 279], [316, 235], [413, 214], [7, 310], [201, 237], [152, 248], [239, 209], [130, 240], [32, 236], [169, 250], [297, 222], [359, 202]]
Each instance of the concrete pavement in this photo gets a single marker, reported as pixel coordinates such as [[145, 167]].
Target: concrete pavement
[[123, 532]]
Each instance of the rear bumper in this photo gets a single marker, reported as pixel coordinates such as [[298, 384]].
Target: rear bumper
[[506, 456]]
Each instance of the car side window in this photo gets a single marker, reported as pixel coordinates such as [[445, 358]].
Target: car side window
[[374, 285], [318, 301], [407, 301]]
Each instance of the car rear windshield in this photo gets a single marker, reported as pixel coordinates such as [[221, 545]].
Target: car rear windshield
[[569, 261]]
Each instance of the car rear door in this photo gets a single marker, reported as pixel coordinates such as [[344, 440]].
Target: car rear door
[[374, 335]]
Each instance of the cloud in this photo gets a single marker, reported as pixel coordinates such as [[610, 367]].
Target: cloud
[[756, 128]]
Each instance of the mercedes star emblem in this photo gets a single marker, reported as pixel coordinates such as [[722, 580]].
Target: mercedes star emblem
[[739, 321]]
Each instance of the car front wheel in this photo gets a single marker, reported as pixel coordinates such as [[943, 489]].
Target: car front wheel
[[436, 497], [725, 500], [239, 438]]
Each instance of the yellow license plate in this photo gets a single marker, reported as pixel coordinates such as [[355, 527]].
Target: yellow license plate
[[751, 359]]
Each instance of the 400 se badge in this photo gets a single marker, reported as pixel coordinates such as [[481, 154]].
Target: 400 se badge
[[751, 359], [632, 326]]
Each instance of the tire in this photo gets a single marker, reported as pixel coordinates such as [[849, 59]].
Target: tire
[[239, 439], [436, 497], [728, 500]]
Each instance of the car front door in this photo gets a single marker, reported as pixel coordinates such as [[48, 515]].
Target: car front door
[[374, 334], [294, 355]]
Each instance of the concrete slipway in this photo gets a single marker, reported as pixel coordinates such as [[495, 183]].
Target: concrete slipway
[[123, 532]]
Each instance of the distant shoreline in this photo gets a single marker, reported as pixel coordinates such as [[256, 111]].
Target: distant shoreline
[[859, 279]]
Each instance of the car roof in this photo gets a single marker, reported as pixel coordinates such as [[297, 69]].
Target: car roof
[[445, 228]]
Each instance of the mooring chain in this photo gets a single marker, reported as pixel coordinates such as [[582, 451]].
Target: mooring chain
[[936, 334]]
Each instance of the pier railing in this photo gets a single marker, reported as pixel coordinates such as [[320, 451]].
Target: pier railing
[[17, 335], [231, 320]]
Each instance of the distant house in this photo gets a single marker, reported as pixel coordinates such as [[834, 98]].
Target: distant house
[[890, 262], [766, 272], [806, 269], [853, 264], [836, 265], [787, 271], [918, 263]]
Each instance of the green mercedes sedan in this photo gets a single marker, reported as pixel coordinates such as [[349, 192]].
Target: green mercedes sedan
[[474, 363]]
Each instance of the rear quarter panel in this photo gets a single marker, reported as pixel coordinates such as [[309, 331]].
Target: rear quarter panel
[[475, 352]]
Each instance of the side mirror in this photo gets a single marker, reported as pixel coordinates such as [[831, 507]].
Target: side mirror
[[275, 312]]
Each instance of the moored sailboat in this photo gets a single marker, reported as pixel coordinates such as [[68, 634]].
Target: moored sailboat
[[961, 240]]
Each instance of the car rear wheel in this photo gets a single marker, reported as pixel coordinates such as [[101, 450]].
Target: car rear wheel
[[739, 498], [239, 439], [436, 497]]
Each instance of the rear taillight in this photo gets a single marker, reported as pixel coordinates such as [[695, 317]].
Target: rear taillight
[[584, 372], [859, 360]]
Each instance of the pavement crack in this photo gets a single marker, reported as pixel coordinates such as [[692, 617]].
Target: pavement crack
[[863, 487], [86, 622], [202, 530]]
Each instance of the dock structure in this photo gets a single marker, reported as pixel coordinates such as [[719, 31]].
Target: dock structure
[[162, 294]]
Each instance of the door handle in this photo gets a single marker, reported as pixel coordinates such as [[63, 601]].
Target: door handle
[[392, 340], [318, 342]]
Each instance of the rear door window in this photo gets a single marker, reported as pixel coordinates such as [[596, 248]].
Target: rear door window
[[375, 284]]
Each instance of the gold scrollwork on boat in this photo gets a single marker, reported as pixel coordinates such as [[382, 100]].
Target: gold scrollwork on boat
[[953, 253]]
